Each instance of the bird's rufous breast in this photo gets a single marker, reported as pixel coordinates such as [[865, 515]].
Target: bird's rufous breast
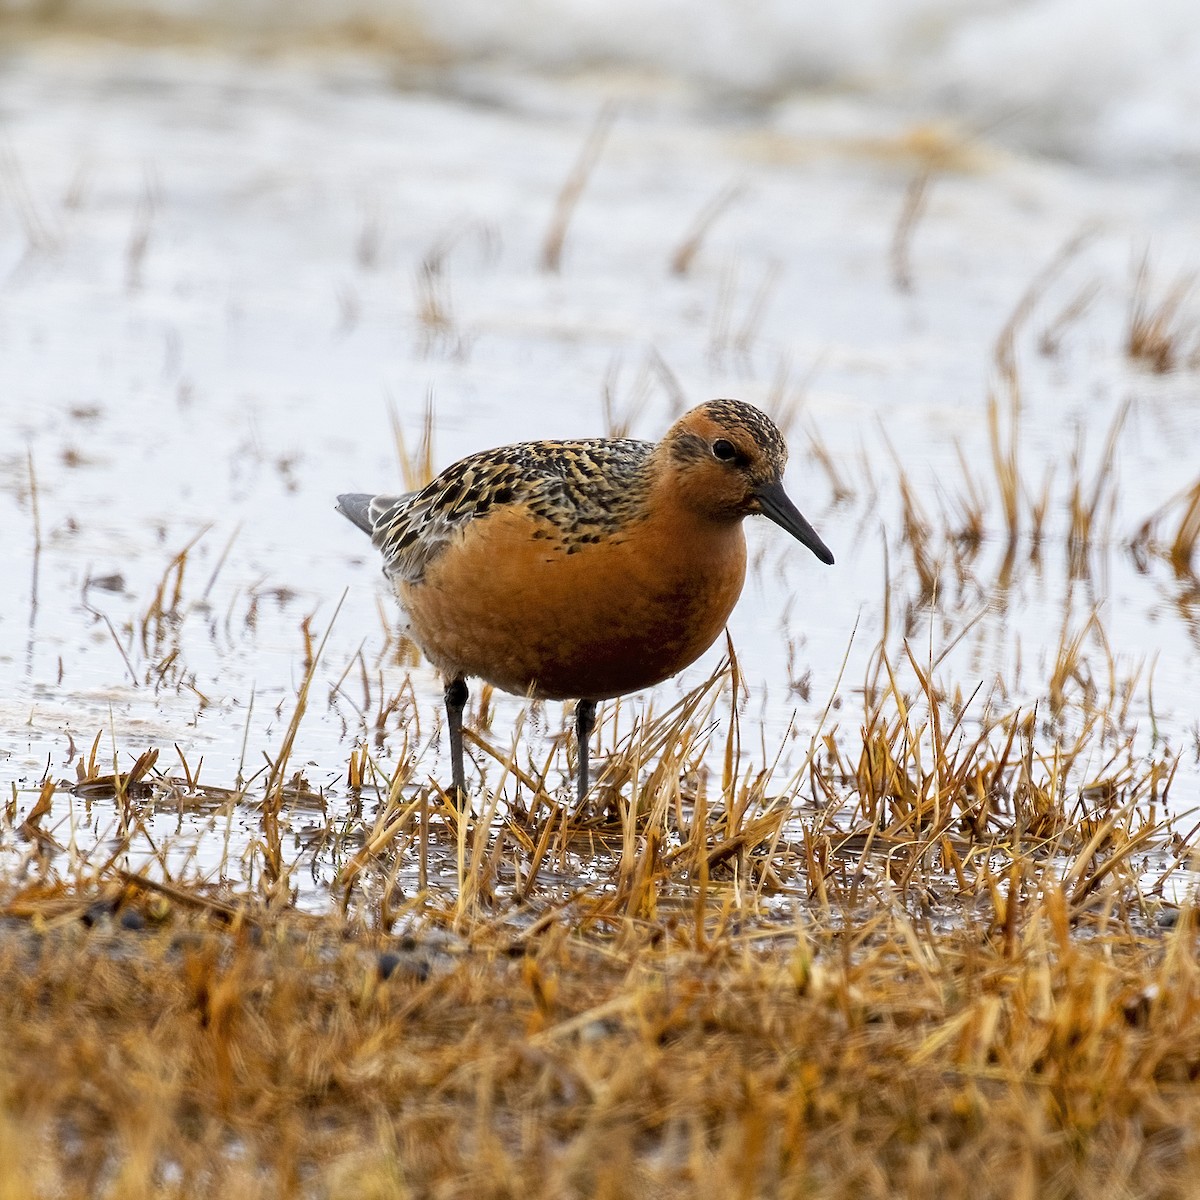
[[509, 604]]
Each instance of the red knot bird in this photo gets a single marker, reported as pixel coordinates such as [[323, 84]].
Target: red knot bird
[[581, 570]]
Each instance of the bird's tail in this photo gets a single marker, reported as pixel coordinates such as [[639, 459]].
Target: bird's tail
[[356, 507]]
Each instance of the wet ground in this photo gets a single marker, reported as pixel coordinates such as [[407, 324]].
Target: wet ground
[[225, 282]]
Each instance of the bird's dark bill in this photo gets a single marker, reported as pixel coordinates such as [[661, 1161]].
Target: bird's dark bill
[[776, 505]]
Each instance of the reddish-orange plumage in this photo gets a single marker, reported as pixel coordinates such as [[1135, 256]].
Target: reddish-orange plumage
[[582, 570]]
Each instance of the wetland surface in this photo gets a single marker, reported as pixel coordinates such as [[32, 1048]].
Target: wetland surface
[[937, 831]]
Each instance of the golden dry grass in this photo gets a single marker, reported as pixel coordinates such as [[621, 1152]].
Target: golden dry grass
[[880, 1058], [951, 952], [940, 962], [1161, 334]]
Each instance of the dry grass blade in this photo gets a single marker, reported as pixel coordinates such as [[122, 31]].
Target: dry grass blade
[[188, 897], [689, 247], [724, 338], [1183, 544], [1181, 549], [274, 792], [368, 244], [916, 196], [221, 559], [35, 566], [43, 807], [971, 507], [40, 235], [416, 464], [1005, 352], [621, 418], [1160, 336], [506, 760], [160, 622], [842, 490], [391, 821], [1085, 503], [1004, 444], [1051, 338], [140, 233], [572, 188], [435, 308]]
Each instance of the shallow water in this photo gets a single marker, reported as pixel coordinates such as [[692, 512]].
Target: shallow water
[[222, 274]]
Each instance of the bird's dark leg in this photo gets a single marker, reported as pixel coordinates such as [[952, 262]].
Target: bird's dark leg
[[585, 721], [456, 701]]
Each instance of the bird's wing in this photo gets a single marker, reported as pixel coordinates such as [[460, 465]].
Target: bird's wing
[[577, 489]]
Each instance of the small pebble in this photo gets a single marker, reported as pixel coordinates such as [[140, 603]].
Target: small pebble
[[409, 966], [97, 911]]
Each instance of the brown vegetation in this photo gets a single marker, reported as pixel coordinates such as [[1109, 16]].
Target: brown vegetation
[[943, 964]]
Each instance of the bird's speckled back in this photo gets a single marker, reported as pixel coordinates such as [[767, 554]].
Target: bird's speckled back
[[573, 493], [581, 491]]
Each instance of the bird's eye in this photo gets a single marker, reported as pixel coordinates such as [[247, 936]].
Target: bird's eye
[[724, 450]]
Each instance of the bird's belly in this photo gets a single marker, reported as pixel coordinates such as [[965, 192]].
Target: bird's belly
[[610, 618]]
